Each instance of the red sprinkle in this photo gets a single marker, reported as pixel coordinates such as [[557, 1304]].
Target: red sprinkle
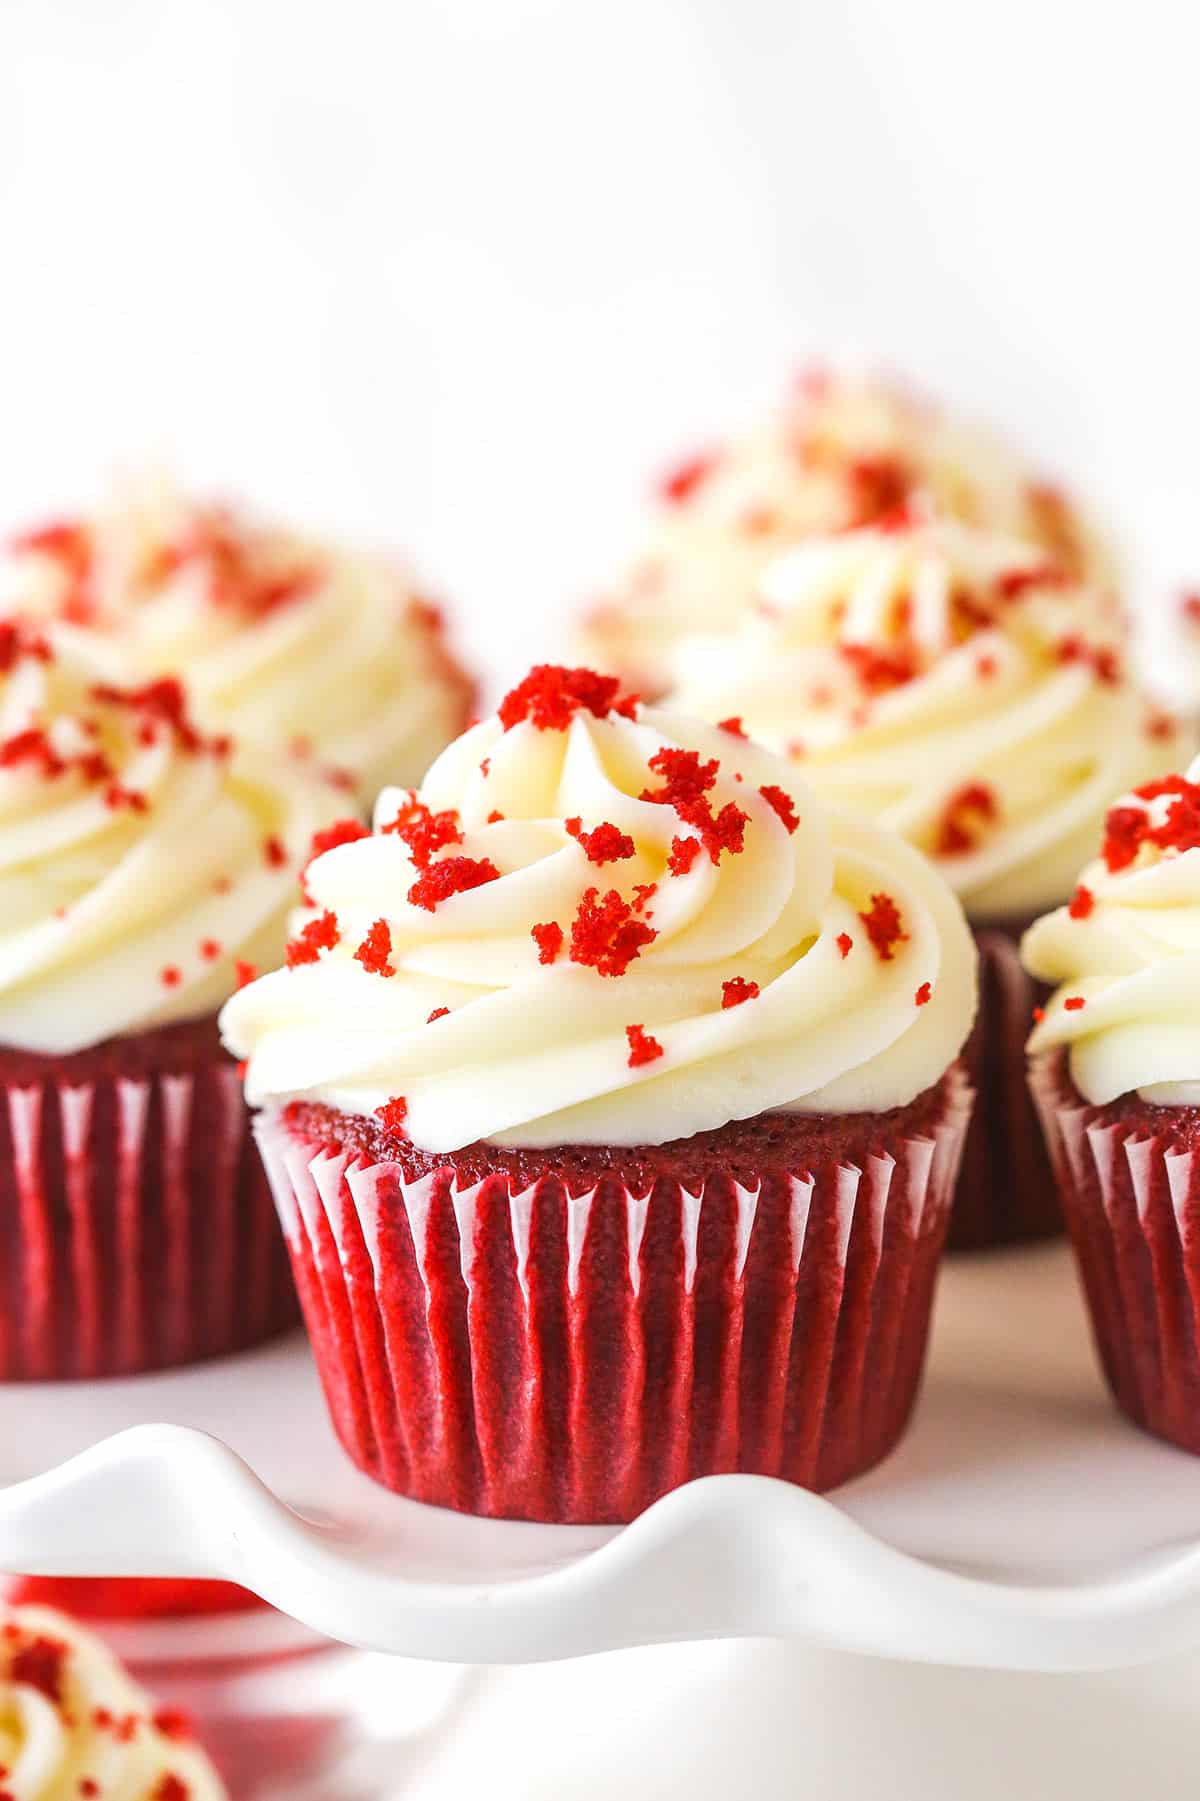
[[781, 800], [393, 1113], [684, 852], [375, 949], [924, 994], [423, 831], [171, 976], [549, 940], [680, 483], [453, 876], [1128, 828], [737, 990], [1073, 1003], [605, 935], [642, 1047], [883, 925], [733, 725], [494, 816], [845, 944], [316, 935], [606, 844], [438, 1013], [551, 695], [1082, 902]]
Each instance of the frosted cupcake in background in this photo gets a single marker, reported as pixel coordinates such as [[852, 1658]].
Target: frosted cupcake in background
[[73, 1724], [842, 452], [1115, 1069], [332, 655], [613, 1112], [975, 697], [146, 867]]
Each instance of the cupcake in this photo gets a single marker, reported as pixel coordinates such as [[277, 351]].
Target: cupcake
[[333, 656], [145, 868], [611, 1107], [840, 453], [1115, 1071], [72, 1723], [974, 697]]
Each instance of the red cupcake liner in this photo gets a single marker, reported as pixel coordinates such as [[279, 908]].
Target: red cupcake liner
[[1129, 1176], [138, 1229], [529, 1352], [1006, 1193]]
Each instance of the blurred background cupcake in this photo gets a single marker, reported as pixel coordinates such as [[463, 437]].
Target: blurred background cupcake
[[843, 451], [74, 1725], [613, 1112], [332, 655], [972, 693], [1115, 1070], [146, 866]]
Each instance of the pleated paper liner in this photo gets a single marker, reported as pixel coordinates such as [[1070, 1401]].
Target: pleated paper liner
[[1006, 1193], [138, 1230], [524, 1351], [1129, 1175]]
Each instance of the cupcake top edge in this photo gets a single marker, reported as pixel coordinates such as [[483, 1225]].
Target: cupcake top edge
[[1123, 956], [143, 859], [72, 1723], [334, 654], [599, 923], [959, 685]]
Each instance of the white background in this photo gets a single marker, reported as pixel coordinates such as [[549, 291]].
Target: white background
[[458, 274]]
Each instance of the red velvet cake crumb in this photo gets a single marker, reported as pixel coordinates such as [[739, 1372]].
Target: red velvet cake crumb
[[423, 831], [171, 976], [275, 851], [845, 944], [684, 852], [605, 844], [680, 483], [884, 927], [642, 1047], [782, 802], [376, 948], [551, 695], [39, 1664], [245, 973], [924, 994], [549, 940], [315, 936], [970, 806], [456, 875], [605, 935], [1073, 1003], [393, 1113], [438, 1013], [1128, 828], [737, 990], [342, 831], [733, 725], [1083, 902], [878, 670]]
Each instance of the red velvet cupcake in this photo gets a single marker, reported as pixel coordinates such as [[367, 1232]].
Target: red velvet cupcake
[[612, 1112], [143, 864], [969, 691], [1115, 1072]]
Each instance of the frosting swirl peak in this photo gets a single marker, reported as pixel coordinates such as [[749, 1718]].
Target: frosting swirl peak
[[599, 923]]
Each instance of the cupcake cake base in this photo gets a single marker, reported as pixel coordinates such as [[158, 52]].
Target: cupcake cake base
[[1007, 1192], [567, 1334], [1129, 1175], [137, 1226]]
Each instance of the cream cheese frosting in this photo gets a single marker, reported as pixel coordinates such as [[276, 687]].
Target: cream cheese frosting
[[289, 643], [601, 923], [954, 683], [73, 1725], [141, 860], [1125, 954], [842, 452]]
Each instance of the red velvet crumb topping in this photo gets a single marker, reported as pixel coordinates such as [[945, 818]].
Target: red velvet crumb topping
[[393, 1113], [423, 831], [782, 802], [845, 944], [924, 994], [245, 973], [686, 784], [969, 807], [684, 852], [733, 725], [549, 940], [164, 702], [39, 1663], [1073, 1003], [171, 976], [438, 1013], [315, 936], [18, 640], [551, 695], [1128, 828], [375, 950], [275, 851], [884, 927], [1082, 902], [605, 935], [878, 670], [453, 876], [642, 1047], [737, 990], [605, 844], [680, 483], [342, 831]]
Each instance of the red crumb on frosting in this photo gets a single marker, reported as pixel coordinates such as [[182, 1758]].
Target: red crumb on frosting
[[39, 1663], [924, 994], [845, 944], [685, 786], [551, 695], [1039, 1014], [605, 935], [879, 670], [453, 876], [878, 486], [643, 894], [171, 976], [315, 936], [549, 940], [164, 702], [171, 1788], [438, 1013], [782, 802], [985, 665], [494, 816], [1102, 658], [393, 1113], [1159, 726], [680, 483], [733, 725], [737, 990], [375, 949], [275, 851], [1073, 1003], [884, 927], [245, 973], [173, 1723], [684, 852], [605, 844], [116, 797], [210, 949], [342, 831], [423, 831], [1128, 828], [18, 640], [88, 1787], [969, 807], [1013, 584], [70, 545], [642, 1047], [1082, 902]]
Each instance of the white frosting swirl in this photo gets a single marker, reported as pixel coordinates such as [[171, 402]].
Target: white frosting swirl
[[138, 861], [537, 1054], [839, 454], [73, 1725], [1128, 949], [954, 685], [284, 641]]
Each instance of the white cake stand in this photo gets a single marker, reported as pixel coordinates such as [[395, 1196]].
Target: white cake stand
[[1021, 1525]]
